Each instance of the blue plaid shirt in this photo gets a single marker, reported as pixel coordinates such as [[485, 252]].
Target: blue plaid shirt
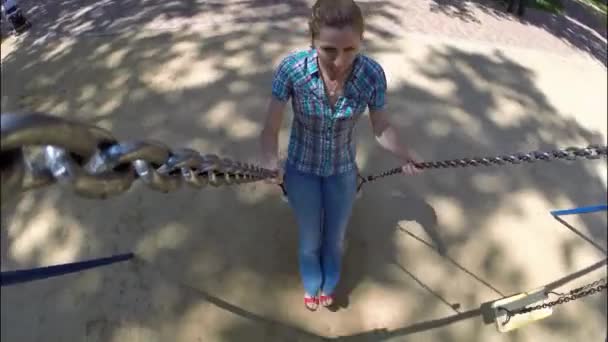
[[321, 139]]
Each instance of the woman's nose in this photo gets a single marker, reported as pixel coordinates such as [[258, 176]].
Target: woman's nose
[[341, 61]]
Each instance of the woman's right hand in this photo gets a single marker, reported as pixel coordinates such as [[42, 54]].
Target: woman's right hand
[[276, 169]]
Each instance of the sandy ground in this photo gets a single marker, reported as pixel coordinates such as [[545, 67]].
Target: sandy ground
[[221, 264]]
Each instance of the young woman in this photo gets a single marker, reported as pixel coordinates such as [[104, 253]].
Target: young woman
[[330, 86]]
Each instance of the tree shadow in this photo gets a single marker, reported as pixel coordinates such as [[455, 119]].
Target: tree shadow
[[222, 262], [468, 10], [464, 123], [484, 311], [579, 26], [579, 234]]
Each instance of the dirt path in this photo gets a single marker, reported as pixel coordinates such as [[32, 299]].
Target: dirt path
[[220, 264]]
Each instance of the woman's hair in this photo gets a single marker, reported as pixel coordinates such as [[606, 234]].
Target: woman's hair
[[336, 14]]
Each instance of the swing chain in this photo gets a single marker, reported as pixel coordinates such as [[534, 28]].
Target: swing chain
[[590, 152], [95, 164], [92, 162], [577, 293]]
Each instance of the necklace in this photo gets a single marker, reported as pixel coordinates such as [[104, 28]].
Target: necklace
[[332, 87]]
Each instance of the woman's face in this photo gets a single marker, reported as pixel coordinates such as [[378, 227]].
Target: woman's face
[[337, 49]]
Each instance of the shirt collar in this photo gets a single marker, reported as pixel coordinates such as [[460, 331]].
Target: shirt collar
[[311, 62]]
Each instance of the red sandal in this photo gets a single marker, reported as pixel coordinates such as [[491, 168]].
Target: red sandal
[[326, 299], [311, 300]]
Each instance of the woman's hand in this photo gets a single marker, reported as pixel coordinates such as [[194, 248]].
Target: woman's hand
[[410, 169], [273, 166]]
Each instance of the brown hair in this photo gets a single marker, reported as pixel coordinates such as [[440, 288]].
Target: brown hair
[[337, 14]]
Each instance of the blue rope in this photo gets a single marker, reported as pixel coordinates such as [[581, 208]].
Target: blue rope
[[581, 210], [22, 276]]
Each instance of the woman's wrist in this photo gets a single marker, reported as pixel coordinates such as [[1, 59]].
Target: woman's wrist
[[407, 156]]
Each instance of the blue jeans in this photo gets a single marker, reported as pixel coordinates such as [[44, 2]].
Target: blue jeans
[[322, 207]]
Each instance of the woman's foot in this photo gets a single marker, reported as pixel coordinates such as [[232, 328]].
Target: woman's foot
[[311, 302], [326, 300]]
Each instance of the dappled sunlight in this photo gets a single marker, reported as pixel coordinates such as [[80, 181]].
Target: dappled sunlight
[[535, 237], [453, 218], [114, 58], [239, 87], [185, 70], [219, 115], [221, 263], [60, 50], [87, 93], [576, 30], [431, 269], [47, 236], [385, 307], [438, 128], [89, 283], [209, 266], [40, 235], [166, 238], [492, 184], [201, 323], [167, 298], [516, 113], [238, 62], [128, 332], [256, 194], [443, 125], [244, 128], [599, 171]]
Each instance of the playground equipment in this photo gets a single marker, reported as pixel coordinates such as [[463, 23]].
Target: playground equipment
[[96, 165]]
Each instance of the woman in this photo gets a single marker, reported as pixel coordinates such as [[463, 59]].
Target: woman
[[330, 85]]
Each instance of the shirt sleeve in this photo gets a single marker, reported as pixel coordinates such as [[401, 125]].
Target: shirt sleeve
[[282, 88], [378, 98]]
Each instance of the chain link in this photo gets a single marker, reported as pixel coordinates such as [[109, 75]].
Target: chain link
[[95, 164], [590, 152], [582, 288], [577, 293]]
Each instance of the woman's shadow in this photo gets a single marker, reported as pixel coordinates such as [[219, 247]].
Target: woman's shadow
[[369, 245]]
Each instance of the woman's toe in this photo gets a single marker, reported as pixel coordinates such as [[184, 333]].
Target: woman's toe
[[312, 303], [326, 300]]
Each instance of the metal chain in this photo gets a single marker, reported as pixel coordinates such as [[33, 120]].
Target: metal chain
[[582, 288], [590, 152], [95, 164], [580, 292]]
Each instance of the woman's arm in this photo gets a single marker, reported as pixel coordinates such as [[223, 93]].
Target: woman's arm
[[387, 136], [269, 137]]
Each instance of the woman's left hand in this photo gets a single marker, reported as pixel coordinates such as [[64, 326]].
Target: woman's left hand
[[410, 168]]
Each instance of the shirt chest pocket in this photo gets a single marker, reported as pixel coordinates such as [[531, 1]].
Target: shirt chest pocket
[[353, 104]]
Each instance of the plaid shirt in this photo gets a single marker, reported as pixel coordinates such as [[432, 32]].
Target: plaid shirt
[[321, 140]]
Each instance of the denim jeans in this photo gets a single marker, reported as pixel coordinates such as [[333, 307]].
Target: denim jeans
[[322, 207]]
